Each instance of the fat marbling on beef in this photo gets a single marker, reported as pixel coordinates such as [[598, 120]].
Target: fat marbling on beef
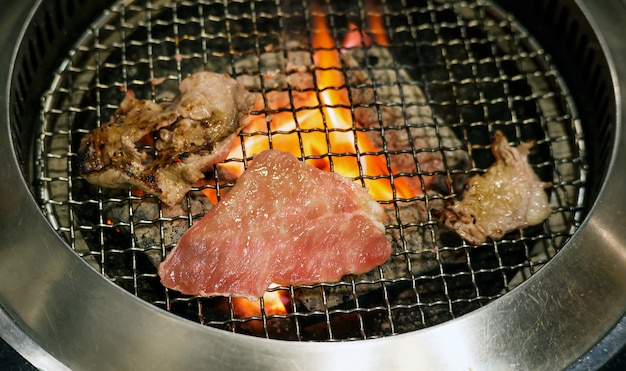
[[283, 222], [507, 197], [192, 132]]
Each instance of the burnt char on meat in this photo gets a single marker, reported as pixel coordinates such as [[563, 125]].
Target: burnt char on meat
[[283, 222], [507, 197], [192, 132]]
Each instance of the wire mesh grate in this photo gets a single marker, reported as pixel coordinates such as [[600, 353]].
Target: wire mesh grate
[[452, 72]]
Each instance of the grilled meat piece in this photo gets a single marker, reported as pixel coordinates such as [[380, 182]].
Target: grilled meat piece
[[192, 132], [507, 197], [283, 222]]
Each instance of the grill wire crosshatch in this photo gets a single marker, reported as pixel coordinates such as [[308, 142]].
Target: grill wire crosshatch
[[454, 71]]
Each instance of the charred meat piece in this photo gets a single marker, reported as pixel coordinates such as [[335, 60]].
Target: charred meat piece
[[283, 222], [192, 132], [507, 197]]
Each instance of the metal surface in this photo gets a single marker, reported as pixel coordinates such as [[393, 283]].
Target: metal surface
[[545, 323], [500, 79], [28, 349], [610, 350]]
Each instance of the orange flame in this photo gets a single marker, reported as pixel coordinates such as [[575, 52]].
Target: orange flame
[[317, 124], [273, 303], [320, 125], [377, 27], [356, 38]]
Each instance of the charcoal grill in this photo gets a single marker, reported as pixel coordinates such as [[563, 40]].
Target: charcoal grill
[[78, 262]]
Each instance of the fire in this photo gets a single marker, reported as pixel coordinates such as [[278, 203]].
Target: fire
[[319, 124], [274, 302], [358, 38]]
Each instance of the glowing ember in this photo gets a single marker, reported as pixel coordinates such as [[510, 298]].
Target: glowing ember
[[110, 222], [138, 192], [319, 124]]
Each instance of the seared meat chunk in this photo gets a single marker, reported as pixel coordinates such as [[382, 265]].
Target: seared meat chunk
[[507, 197], [283, 222], [192, 132]]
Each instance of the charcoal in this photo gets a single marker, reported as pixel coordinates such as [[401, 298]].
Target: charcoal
[[155, 227]]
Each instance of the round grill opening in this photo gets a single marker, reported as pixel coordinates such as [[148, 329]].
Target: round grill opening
[[457, 70]]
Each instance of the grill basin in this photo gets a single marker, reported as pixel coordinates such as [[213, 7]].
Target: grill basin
[[478, 114], [463, 71]]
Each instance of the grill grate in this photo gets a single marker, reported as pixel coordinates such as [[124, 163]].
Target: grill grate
[[458, 69]]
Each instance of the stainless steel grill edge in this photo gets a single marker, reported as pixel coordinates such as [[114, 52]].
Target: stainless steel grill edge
[[545, 323]]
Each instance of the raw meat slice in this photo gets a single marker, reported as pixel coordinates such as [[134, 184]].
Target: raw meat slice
[[283, 222], [193, 132], [507, 197]]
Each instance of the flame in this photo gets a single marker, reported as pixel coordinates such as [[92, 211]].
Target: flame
[[377, 27], [318, 124], [274, 302], [357, 38]]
